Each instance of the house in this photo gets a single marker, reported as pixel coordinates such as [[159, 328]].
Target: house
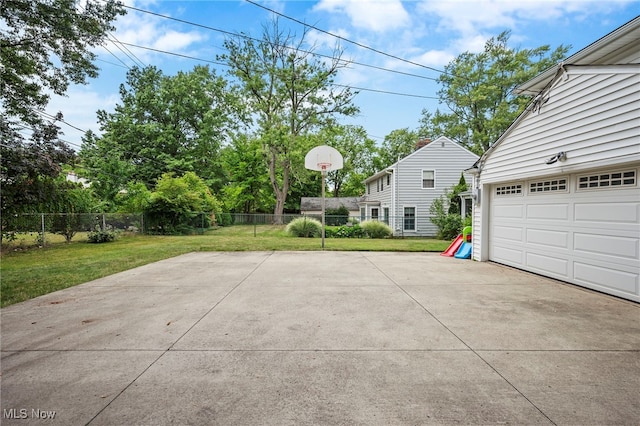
[[557, 194], [312, 206], [402, 193]]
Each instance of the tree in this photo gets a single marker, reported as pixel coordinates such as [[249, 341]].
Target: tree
[[478, 90], [45, 45], [291, 95], [180, 204], [248, 189], [164, 124], [358, 152], [396, 145]]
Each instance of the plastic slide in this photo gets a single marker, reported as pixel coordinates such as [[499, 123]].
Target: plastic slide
[[453, 248], [464, 252]]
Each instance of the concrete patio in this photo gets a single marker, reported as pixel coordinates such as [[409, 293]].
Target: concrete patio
[[293, 338]]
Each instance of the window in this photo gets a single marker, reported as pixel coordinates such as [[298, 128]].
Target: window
[[409, 218], [607, 180], [374, 213], [428, 179], [381, 184], [363, 214], [552, 185], [388, 180], [509, 190], [385, 212]]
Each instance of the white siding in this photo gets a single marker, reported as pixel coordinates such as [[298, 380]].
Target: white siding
[[594, 118]]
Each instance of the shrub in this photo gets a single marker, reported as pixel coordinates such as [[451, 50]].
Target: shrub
[[336, 217], [449, 224], [304, 227], [346, 231], [376, 229], [101, 236]]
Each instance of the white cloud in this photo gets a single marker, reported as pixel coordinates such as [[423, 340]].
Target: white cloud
[[176, 41], [373, 15]]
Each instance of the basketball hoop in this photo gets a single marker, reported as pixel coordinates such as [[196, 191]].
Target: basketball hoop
[[324, 167]]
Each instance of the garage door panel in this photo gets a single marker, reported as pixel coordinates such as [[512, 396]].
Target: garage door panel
[[548, 211], [542, 263], [606, 278], [607, 245], [509, 211], [607, 213], [508, 255], [548, 237], [510, 233]]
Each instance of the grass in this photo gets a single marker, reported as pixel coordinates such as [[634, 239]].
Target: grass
[[26, 273]]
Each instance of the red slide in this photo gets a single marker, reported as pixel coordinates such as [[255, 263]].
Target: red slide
[[453, 248]]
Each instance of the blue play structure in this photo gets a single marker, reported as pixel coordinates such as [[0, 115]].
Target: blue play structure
[[464, 252]]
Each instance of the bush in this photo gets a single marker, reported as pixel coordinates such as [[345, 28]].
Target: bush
[[101, 236], [304, 227], [336, 217], [346, 231], [376, 229], [449, 224]]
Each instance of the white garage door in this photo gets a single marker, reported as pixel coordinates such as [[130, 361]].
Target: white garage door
[[583, 228]]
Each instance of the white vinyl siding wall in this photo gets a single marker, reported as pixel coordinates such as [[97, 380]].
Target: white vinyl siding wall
[[592, 117]]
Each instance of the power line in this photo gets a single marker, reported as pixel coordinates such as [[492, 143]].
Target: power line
[[346, 39], [301, 50]]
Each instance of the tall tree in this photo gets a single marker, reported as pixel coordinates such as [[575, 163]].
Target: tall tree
[[358, 152], [478, 90], [396, 145], [291, 94], [45, 45], [163, 124]]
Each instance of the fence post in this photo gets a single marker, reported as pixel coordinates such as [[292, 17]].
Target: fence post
[[104, 223], [42, 223]]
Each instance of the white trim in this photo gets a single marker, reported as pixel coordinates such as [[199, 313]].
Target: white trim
[[415, 218], [422, 179]]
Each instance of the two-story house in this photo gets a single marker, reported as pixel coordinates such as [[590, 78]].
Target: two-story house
[[401, 194]]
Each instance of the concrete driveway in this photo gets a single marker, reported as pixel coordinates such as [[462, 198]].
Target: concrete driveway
[[294, 338]]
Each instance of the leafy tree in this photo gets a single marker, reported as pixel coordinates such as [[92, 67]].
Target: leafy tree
[[248, 189], [164, 124], [45, 45], [290, 94], [478, 90], [178, 204], [358, 152], [396, 145], [73, 205]]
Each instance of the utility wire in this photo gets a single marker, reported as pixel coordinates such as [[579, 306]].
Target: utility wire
[[287, 47], [346, 39]]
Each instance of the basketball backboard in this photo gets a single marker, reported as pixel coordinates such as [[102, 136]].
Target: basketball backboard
[[323, 158]]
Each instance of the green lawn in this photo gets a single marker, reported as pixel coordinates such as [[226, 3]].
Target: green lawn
[[28, 273]]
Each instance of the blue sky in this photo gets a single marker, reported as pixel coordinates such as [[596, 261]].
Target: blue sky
[[428, 33]]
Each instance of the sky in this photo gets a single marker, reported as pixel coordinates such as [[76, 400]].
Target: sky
[[397, 48]]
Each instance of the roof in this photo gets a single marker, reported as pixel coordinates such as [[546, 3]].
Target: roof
[[389, 169], [315, 203], [608, 50]]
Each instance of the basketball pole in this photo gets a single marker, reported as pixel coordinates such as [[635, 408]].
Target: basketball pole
[[324, 175]]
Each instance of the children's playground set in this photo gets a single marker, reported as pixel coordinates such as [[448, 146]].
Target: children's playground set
[[460, 248]]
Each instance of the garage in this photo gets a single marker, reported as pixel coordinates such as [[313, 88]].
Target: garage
[[557, 193], [581, 228]]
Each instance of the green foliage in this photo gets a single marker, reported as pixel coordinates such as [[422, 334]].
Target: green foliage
[[478, 89], [336, 217], [135, 199], [177, 205], [396, 145], [101, 236], [305, 227], [163, 124], [449, 224], [454, 196], [347, 231], [376, 229], [74, 200]]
